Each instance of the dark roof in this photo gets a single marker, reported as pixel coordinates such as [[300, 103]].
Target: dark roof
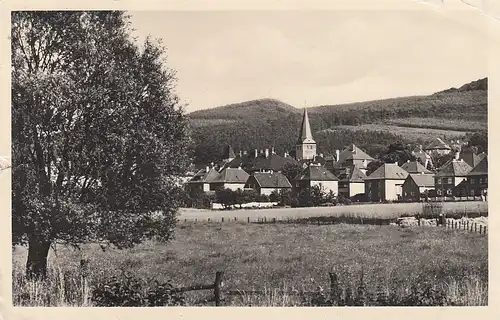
[[271, 180], [228, 152], [351, 153], [231, 175], [202, 176], [480, 169], [352, 174], [470, 157], [481, 156], [437, 144], [414, 167], [454, 168], [316, 172], [388, 171], [422, 180], [273, 162]]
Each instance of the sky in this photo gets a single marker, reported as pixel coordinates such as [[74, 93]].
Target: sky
[[310, 58]]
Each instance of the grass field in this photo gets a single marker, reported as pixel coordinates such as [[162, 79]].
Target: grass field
[[409, 133], [387, 211], [270, 257], [440, 123]]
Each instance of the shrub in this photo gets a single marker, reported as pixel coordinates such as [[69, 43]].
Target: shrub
[[129, 291]]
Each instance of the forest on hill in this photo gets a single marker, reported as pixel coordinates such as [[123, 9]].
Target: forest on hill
[[266, 123]]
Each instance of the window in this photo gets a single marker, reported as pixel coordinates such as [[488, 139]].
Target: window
[[448, 191], [439, 180], [439, 192], [485, 179], [450, 180], [480, 180], [472, 192], [472, 180]]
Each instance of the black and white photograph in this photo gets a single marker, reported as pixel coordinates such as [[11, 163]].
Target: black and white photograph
[[248, 158]]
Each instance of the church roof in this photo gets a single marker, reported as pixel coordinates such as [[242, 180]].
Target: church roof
[[316, 172], [305, 135], [388, 171], [414, 167]]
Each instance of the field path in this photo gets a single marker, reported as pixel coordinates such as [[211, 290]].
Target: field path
[[392, 210]]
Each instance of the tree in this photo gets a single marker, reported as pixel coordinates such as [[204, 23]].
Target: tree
[[98, 134], [291, 171]]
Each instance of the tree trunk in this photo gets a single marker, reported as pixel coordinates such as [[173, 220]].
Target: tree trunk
[[36, 266]]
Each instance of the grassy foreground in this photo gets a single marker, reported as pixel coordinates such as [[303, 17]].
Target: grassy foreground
[[276, 257]]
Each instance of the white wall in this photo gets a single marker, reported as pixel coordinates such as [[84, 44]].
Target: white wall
[[234, 186], [392, 189], [356, 188]]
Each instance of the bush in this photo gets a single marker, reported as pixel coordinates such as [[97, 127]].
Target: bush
[[129, 291]]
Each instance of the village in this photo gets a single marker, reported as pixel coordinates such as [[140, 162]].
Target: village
[[463, 177]]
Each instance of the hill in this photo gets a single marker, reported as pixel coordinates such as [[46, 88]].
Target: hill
[[451, 113]]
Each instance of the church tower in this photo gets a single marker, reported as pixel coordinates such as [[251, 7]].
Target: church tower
[[306, 146]]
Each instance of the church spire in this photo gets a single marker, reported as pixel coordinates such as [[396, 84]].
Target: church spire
[[305, 130]]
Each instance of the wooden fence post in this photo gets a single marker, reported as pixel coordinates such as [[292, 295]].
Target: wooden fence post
[[467, 225], [209, 220], [235, 219], [265, 219], [484, 230], [475, 226], [480, 229], [196, 220], [334, 288], [222, 219], [217, 287], [274, 220], [248, 219]]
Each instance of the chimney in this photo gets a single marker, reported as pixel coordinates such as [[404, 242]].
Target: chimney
[[457, 155], [407, 161], [337, 155], [272, 150], [240, 153], [207, 169], [256, 153], [321, 155], [426, 162], [261, 151], [286, 154], [267, 153], [353, 148], [245, 152]]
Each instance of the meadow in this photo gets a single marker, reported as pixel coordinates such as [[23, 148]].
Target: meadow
[[278, 259], [372, 210], [410, 133]]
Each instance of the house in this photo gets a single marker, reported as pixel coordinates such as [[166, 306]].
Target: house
[[416, 184], [438, 147], [230, 178], [351, 181], [477, 179], [267, 182], [314, 175], [350, 157], [415, 167], [450, 176], [201, 181], [385, 183]]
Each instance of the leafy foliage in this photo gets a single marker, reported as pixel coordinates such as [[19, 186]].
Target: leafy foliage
[[130, 291], [98, 132]]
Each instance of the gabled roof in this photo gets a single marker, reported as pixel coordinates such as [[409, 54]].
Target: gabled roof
[[202, 176], [470, 157], [273, 162], [352, 174], [271, 180], [454, 168], [437, 144], [422, 180], [414, 167], [228, 152], [480, 169], [388, 171], [231, 175], [351, 153], [316, 172], [481, 156], [305, 135]]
